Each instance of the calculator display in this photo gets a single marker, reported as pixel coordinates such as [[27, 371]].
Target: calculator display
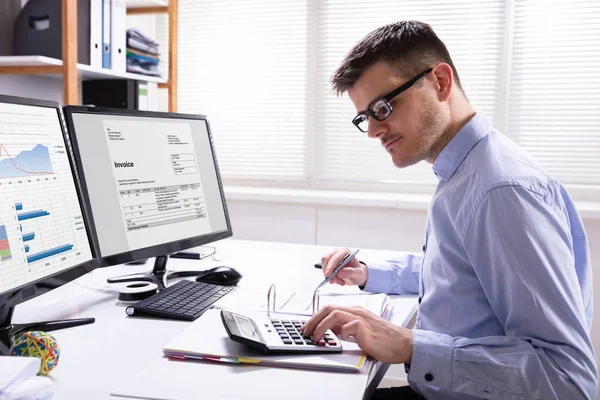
[[245, 327]]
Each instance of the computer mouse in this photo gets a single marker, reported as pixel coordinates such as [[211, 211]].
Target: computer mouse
[[224, 276]]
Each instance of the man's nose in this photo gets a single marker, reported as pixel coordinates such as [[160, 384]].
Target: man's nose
[[376, 128]]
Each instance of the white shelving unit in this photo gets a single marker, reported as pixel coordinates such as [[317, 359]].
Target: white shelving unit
[[72, 72], [84, 71]]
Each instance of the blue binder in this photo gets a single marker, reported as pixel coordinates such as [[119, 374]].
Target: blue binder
[[106, 34]]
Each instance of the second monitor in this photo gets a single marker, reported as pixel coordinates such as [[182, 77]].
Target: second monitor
[[151, 181]]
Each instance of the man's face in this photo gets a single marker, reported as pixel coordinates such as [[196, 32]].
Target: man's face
[[418, 120]]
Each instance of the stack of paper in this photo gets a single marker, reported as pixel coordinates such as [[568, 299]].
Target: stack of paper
[[142, 54], [14, 369], [206, 339], [18, 379]]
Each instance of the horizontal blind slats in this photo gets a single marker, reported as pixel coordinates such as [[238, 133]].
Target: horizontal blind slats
[[472, 32], [555, 89], [253, 81]]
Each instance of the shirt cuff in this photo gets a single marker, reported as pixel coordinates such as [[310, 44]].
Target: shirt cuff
[[379, 279], [431, 359]]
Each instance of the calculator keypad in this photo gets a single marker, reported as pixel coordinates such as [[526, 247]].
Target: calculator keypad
[[289, 332]]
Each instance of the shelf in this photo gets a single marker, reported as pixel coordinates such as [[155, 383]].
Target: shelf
[[84, 71], [146, 3]]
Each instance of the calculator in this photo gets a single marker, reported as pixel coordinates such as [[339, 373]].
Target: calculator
[[276, 335]]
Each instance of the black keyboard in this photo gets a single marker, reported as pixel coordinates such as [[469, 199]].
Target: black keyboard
[[185, 300]]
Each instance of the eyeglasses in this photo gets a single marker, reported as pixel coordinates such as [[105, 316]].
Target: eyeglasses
[[380, 109]]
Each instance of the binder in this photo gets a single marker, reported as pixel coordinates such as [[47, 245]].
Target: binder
[[301, 302], [96, 33], [206, 339], [106, 34], [118, 35], [152, 96]]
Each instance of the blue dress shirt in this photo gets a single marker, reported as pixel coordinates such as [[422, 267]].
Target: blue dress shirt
[[504, 280]]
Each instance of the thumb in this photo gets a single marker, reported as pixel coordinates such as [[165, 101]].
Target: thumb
[[350, 275]]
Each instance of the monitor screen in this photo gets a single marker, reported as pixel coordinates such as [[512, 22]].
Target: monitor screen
[[42, 228], [151, 180]]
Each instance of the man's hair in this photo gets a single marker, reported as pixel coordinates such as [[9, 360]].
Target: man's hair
[[410, 47]]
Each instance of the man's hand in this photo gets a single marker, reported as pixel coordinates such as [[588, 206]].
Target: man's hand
[[354, 273], [377, 337]]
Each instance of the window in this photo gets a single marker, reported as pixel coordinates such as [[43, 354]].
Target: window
[[527, 64], [554, 96]]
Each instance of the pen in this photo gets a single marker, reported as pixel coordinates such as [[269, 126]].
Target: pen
[[347, 258]]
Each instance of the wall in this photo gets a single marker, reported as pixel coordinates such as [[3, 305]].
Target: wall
[[363, 227]]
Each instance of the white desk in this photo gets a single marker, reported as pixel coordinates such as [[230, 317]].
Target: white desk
[[95, 359]]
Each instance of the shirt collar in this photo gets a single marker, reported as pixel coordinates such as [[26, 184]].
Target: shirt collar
[[460, 146]]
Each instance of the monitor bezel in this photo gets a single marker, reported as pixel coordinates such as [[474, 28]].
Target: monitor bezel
[[159, 249], [27, 291]]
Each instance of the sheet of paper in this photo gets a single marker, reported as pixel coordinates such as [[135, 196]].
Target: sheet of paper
[[254, 298], [13, 369], [302, 302]]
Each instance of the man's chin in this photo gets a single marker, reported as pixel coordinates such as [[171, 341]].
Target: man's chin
[[402, 162]]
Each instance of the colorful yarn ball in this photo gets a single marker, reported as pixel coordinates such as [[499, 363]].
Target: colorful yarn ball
[[37, 344]]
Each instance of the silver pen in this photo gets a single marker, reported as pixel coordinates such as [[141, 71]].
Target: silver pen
[[347, 258]]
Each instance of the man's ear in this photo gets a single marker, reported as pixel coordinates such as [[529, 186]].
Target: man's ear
[[444, 79]]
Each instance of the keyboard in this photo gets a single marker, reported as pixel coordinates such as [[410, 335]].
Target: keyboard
[[185, 300]]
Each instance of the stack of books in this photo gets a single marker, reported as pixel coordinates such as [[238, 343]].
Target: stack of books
[[142, 54]]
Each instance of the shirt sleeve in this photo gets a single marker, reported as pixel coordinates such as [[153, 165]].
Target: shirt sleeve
[[395, 276], [521, 249]]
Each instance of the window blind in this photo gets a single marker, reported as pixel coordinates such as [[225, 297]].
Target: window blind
[[244, 64], [526, 64], [471, 30], [554, 97]]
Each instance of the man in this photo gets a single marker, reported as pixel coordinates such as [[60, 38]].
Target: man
[[504, 279]]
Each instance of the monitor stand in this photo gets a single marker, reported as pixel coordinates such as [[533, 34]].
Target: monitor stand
[[158, 275], [8, 330]]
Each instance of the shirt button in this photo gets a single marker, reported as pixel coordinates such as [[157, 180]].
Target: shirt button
[[428, 377], [424, 247], [420, 298]]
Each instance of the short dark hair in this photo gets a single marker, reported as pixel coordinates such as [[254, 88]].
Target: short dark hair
[[410, 47]]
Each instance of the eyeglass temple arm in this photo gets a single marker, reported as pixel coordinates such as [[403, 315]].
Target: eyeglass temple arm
[[408, 84]]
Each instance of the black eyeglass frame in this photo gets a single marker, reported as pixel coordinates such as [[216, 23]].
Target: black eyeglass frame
[[387, 98]]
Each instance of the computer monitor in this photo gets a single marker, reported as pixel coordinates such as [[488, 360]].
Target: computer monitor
[[44, 237], [151, 183]]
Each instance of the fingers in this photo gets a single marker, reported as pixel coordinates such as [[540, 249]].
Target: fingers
[[333, 260], [330, 317], [355, 329], [326, 257], [348, 276], [337, 317]]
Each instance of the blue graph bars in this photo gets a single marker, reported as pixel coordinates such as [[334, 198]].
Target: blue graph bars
[[28, 236], [49, 253], [32, 214]]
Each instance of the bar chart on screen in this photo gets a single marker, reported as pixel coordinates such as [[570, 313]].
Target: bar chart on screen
[[42, 229]]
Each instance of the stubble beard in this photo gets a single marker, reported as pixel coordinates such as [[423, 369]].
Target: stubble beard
[[432, 140]]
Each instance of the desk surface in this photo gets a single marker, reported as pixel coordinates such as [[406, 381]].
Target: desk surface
[[98, 358]]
